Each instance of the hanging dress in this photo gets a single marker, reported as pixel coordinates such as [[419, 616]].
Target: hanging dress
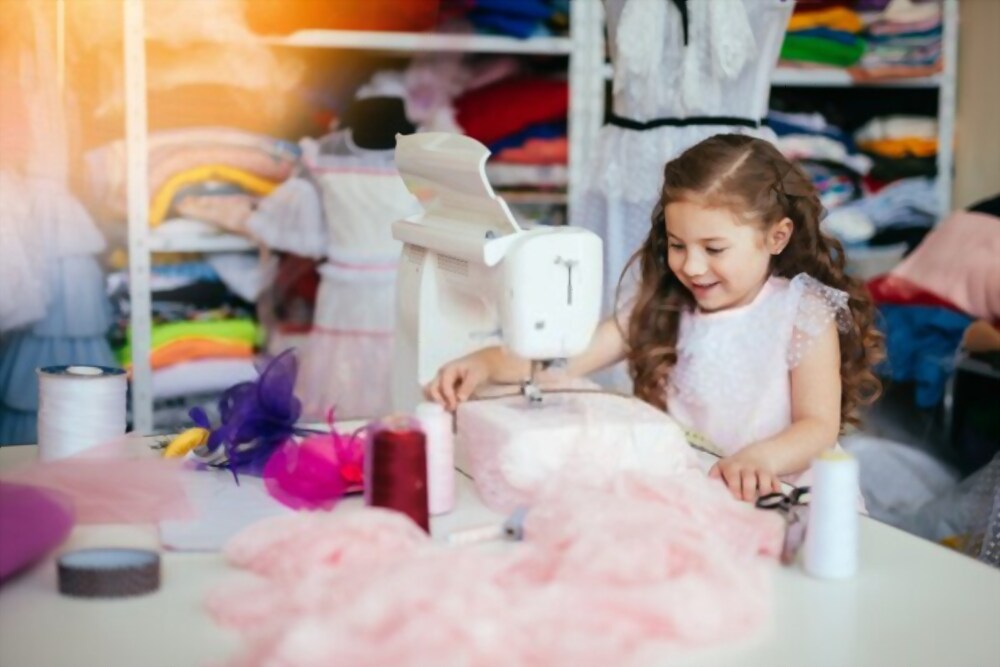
[[348, 358], [53, 305], [684, 70]]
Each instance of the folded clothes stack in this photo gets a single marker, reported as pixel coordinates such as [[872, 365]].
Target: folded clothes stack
[[203, 337]]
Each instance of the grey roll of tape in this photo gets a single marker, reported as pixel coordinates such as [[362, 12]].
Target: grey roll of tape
[[108, 573]]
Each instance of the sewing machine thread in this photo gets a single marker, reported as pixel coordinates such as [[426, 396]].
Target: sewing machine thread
[[79, 407], [396, 469], [440, 442], [831, 544]]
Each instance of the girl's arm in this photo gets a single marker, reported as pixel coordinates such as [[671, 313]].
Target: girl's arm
[[456, 380], [815, 425]]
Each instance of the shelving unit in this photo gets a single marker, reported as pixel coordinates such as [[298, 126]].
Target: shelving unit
[[582, 48], [212, 243], [588, 74], [944, 82], [407, 42]]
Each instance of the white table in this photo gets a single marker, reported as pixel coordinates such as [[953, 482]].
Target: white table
[[913, 603]]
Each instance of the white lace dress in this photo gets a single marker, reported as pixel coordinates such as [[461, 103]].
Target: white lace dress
[[723, 71], [732, 381], [347, 361]]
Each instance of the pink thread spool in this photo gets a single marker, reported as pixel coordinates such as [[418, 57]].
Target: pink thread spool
[[436, 424]]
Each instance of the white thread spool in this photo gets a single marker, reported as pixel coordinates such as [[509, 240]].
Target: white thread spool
[[436, 424], [831, 547], [79, 407]]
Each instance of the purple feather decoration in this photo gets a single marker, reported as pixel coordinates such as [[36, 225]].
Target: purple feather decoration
[[256, 417]]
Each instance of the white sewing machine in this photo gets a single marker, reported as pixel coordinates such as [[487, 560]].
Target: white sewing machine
[[470, 276]]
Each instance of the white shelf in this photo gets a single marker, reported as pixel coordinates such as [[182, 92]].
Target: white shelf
[[214, 243], [410, 42], [839, 78], [515, 197]]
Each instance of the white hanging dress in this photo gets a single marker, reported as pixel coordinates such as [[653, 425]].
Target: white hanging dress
[[668, 96], [348, 358]]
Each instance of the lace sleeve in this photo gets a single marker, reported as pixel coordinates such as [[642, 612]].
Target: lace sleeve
[[815, 306]]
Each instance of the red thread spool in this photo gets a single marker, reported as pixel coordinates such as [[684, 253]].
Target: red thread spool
[[397, 471]]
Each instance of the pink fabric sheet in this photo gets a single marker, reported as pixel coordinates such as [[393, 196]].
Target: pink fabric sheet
[[959, 261], [609, 575], [119, 482]]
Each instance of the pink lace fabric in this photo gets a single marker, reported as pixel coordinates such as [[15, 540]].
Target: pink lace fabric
[[514, 449], [635, 568]]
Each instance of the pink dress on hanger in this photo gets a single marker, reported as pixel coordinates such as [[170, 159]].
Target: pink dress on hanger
[[732, 381]]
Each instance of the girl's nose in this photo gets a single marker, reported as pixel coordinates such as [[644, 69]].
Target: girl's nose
[[694, 264]]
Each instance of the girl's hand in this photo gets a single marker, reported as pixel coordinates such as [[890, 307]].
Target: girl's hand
[[747, 475], [456, 380]]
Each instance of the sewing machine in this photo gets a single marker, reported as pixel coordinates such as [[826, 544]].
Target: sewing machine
[[470, 276]]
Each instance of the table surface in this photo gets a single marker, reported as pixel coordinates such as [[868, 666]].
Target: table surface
[[912, 603]]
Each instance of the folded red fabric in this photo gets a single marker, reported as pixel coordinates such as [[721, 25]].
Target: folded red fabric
[[493, 112]]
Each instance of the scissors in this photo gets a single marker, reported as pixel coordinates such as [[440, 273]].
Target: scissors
[[794, 507]]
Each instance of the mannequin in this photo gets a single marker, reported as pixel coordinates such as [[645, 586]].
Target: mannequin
[[375, 121]]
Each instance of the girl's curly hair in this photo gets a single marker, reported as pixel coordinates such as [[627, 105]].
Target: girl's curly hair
[[751, 178]]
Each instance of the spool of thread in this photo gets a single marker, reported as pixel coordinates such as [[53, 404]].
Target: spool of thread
[[396, 469], [831, 546], [108, 573], [79, 407], [435, 422]]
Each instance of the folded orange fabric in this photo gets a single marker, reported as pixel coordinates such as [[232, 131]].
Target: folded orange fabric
[[190, 349], [537, 151], [835, 18], [902, 147]]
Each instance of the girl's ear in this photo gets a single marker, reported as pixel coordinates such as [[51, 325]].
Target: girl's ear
[[779, 235]]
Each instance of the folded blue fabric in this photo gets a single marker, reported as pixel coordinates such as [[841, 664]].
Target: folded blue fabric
[[536, 131], [921, 343], [532, 9]]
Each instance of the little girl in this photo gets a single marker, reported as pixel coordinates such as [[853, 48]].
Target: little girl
[[741, 323]]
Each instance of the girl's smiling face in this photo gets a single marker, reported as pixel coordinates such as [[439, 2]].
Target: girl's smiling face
[[722, 260]]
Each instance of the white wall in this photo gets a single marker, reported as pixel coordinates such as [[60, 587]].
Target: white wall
[[977, 148]]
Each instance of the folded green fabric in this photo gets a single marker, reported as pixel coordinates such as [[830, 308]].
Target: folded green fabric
[[823, 51], [237, 330]]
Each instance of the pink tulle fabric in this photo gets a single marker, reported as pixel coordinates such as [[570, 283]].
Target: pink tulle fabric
[[637, 568], [123, 481]]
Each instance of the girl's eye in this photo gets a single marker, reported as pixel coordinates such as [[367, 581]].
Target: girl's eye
[[714, 251], [677, 246]]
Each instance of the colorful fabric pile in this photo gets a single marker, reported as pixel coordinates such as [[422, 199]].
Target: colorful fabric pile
[[900, 146], [930, 300], [206, 174], [904, 41], [522, 19], [824, 36], [523, 120], [203, 338], [826, 152], [872, 39]]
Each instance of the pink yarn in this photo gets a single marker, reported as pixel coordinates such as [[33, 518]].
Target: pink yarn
[[606, 575]]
